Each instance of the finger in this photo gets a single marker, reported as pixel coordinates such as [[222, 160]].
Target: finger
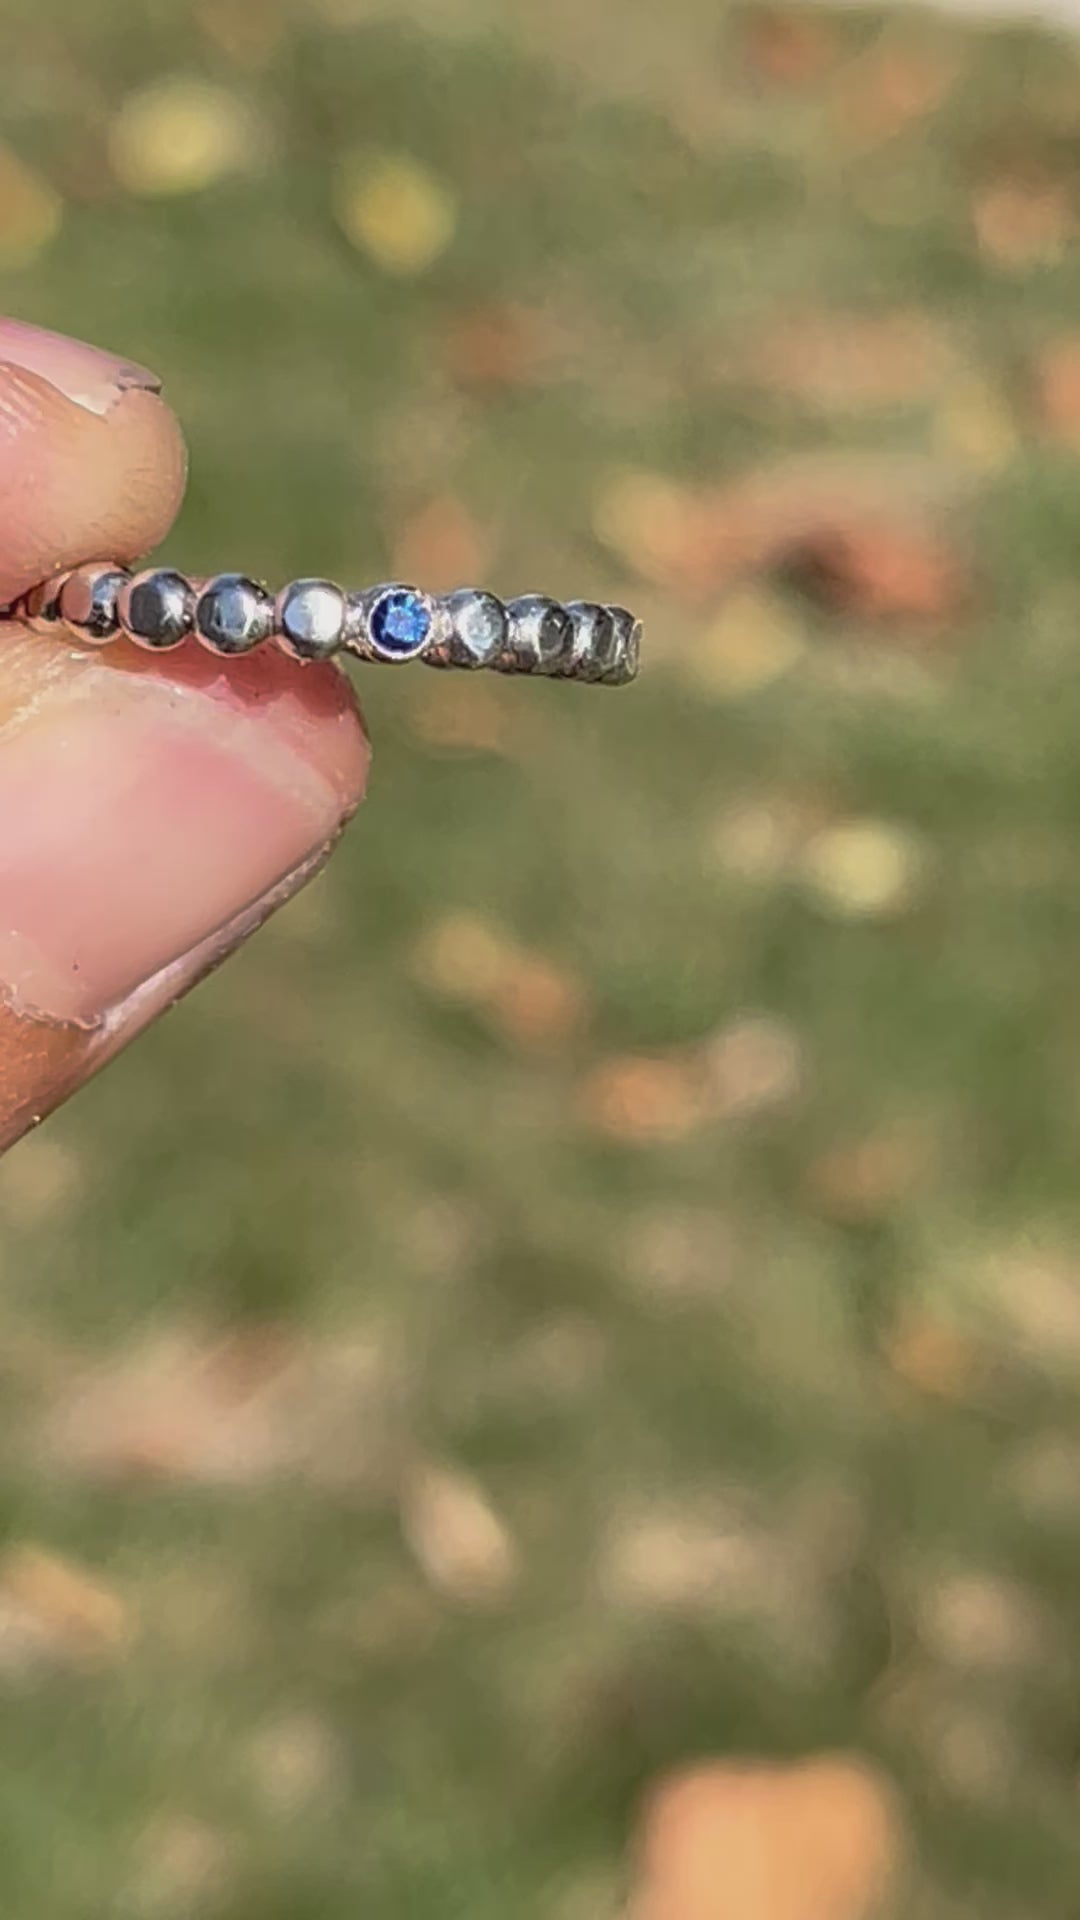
[[91, 459], [153, 809]]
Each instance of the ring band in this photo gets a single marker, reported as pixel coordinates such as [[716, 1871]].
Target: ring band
[[315, 619]]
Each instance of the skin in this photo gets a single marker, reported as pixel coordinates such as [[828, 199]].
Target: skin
[[154, 810]]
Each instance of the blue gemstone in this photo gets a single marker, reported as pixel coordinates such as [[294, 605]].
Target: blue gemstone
[[400, 622]]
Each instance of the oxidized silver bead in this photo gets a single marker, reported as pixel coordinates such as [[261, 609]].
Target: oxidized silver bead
[[476, 629], [593, 647], [233, 614], [157, 609], [538, 635], [309, 619], [627, 654], [88, 600]]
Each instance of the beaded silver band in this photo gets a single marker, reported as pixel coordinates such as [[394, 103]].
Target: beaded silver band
[[314, 619]]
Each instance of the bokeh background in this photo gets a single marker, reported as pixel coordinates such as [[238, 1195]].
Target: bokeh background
[[597, 1286]]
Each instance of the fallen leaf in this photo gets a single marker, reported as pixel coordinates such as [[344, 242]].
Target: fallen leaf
[[888, 91], [54, 1611], [297, 1762], [464, 957], [756, 840], [538, 1004], [468, 714], [653, 524], [443, 546], [680, 1253], [753, 641], [499, 344], [864, 1180], [983, 1621], [879, 570], [1057, 390], [232, 1409], [1034, 1289], [844, 363], [248, 32], [864, 869], [671, 1561], [975, 426], [179, 136], [181, 1866], [1021, 224], [820, 1840], [395, 210], [753, 1066], [645, 1098], [529, 997], [861, 532], [787, 47], [456, 1538], [31, 211]]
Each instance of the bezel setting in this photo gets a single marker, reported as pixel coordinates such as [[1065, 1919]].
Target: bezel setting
[[312, 620], [401, 623]]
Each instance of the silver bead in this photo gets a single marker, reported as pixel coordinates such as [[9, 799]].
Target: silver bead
[[538, 636], [157, 609], [233, 614], [40, 608], [627, 652], [593, 648], [88, 600], [309, 619], [476, 629]]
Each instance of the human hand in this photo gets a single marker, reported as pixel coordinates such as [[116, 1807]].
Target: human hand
[[154, 809]]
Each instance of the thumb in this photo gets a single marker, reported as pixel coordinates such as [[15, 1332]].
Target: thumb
[[153, 809]]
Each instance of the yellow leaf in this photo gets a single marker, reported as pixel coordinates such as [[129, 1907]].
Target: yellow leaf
[[644, 518], [464, 957], [752, 642], [179, 136], [976, 427], [30, 212], [864, 869], [71, 1614], [395, 210]]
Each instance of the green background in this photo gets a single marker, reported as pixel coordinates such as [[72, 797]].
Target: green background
[[466, 1415]]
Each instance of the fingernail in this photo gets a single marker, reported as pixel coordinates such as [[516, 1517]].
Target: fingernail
[[90, 377], [142, 815]]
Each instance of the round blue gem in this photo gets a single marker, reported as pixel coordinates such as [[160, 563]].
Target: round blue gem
[[400, 622]]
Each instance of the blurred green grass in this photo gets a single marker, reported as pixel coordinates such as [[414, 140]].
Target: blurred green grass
[[863, 1384]]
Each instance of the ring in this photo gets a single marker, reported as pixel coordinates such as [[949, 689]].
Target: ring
[[314, 619]]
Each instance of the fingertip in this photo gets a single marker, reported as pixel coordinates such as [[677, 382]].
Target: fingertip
[[78, 481]]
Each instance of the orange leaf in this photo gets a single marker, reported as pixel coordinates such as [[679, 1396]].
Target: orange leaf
[[442, 546], [497, 345], [816, 1841], [880, 570]]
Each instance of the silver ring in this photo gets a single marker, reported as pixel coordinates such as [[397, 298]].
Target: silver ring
[[230, 615]]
